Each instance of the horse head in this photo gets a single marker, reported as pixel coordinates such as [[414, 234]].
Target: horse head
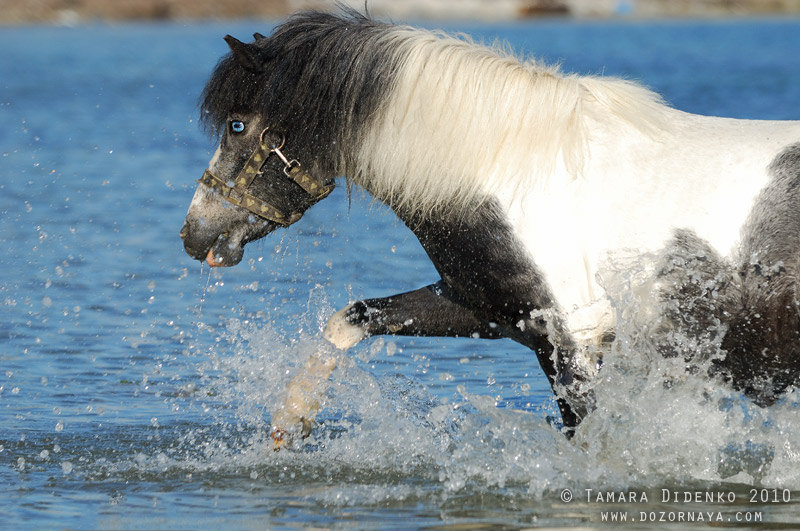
[[253, 184]]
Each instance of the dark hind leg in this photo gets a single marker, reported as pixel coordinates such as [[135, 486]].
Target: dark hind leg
[[744, 327], [763, 340], [696, 291]]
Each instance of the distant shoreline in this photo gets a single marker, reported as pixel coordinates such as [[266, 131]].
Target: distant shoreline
[[76, 12]]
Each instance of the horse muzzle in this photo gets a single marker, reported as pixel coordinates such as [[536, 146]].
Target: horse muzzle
[[216, 250], [225, 253], [221, 245]]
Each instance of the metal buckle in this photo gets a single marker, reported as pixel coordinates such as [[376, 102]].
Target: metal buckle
[[287, 164], [262, 139], [239, 195]]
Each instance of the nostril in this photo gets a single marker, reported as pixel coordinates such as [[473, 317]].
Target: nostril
[[184, 231]]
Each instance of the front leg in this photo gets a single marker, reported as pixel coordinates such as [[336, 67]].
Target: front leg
[[431, 311], [428, 311], [482, 259], [302, 400]]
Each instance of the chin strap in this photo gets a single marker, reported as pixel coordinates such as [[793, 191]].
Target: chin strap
[[239, 195]]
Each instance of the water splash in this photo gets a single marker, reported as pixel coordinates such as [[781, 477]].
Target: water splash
[[664, 419], [383, 436]]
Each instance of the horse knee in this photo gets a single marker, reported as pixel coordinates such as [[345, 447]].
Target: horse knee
[[346, 327]]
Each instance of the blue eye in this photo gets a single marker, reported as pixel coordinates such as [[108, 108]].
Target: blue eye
[[237, 126]]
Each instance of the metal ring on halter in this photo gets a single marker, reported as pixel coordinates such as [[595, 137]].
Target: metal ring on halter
[[287, 164], [272, 148], [239, 195]]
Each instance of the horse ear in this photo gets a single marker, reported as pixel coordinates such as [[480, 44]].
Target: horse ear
[[246, 54], [258, 37]]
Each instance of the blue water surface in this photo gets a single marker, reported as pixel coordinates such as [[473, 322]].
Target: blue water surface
[[135, 384]]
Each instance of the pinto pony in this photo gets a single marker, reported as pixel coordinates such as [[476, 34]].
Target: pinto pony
[[519, 182]]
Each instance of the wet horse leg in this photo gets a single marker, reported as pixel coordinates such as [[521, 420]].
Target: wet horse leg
[[428, 312], [434, 311], [302, 400]]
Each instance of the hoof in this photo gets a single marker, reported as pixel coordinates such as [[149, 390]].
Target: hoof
[[341, 332], [281, 438]]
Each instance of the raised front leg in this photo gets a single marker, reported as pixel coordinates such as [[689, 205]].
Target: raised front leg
[[430, 312]]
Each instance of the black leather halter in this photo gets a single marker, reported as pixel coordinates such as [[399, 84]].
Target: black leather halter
[[239, 195]]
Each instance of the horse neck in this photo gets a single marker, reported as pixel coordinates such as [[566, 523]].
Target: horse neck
[[432, 147]]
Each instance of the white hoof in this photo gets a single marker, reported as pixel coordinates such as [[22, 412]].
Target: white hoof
[[342, 334]]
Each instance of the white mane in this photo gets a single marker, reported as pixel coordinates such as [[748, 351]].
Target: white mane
[[463, 119]]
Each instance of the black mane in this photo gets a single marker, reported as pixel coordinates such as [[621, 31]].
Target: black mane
[[322, 76]]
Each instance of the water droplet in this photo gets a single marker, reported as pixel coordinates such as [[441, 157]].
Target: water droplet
[[66, 467], [376, 347], [59, 426], [391, 348]]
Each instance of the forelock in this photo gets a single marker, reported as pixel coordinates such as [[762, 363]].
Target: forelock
[[235, 89], [231, 89]]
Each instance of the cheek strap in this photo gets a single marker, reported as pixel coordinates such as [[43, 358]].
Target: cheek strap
[[239, 195]]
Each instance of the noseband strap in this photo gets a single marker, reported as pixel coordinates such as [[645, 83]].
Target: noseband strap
[[239, 195]]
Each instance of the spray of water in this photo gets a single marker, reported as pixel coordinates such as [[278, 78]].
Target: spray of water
[[659, 420]]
